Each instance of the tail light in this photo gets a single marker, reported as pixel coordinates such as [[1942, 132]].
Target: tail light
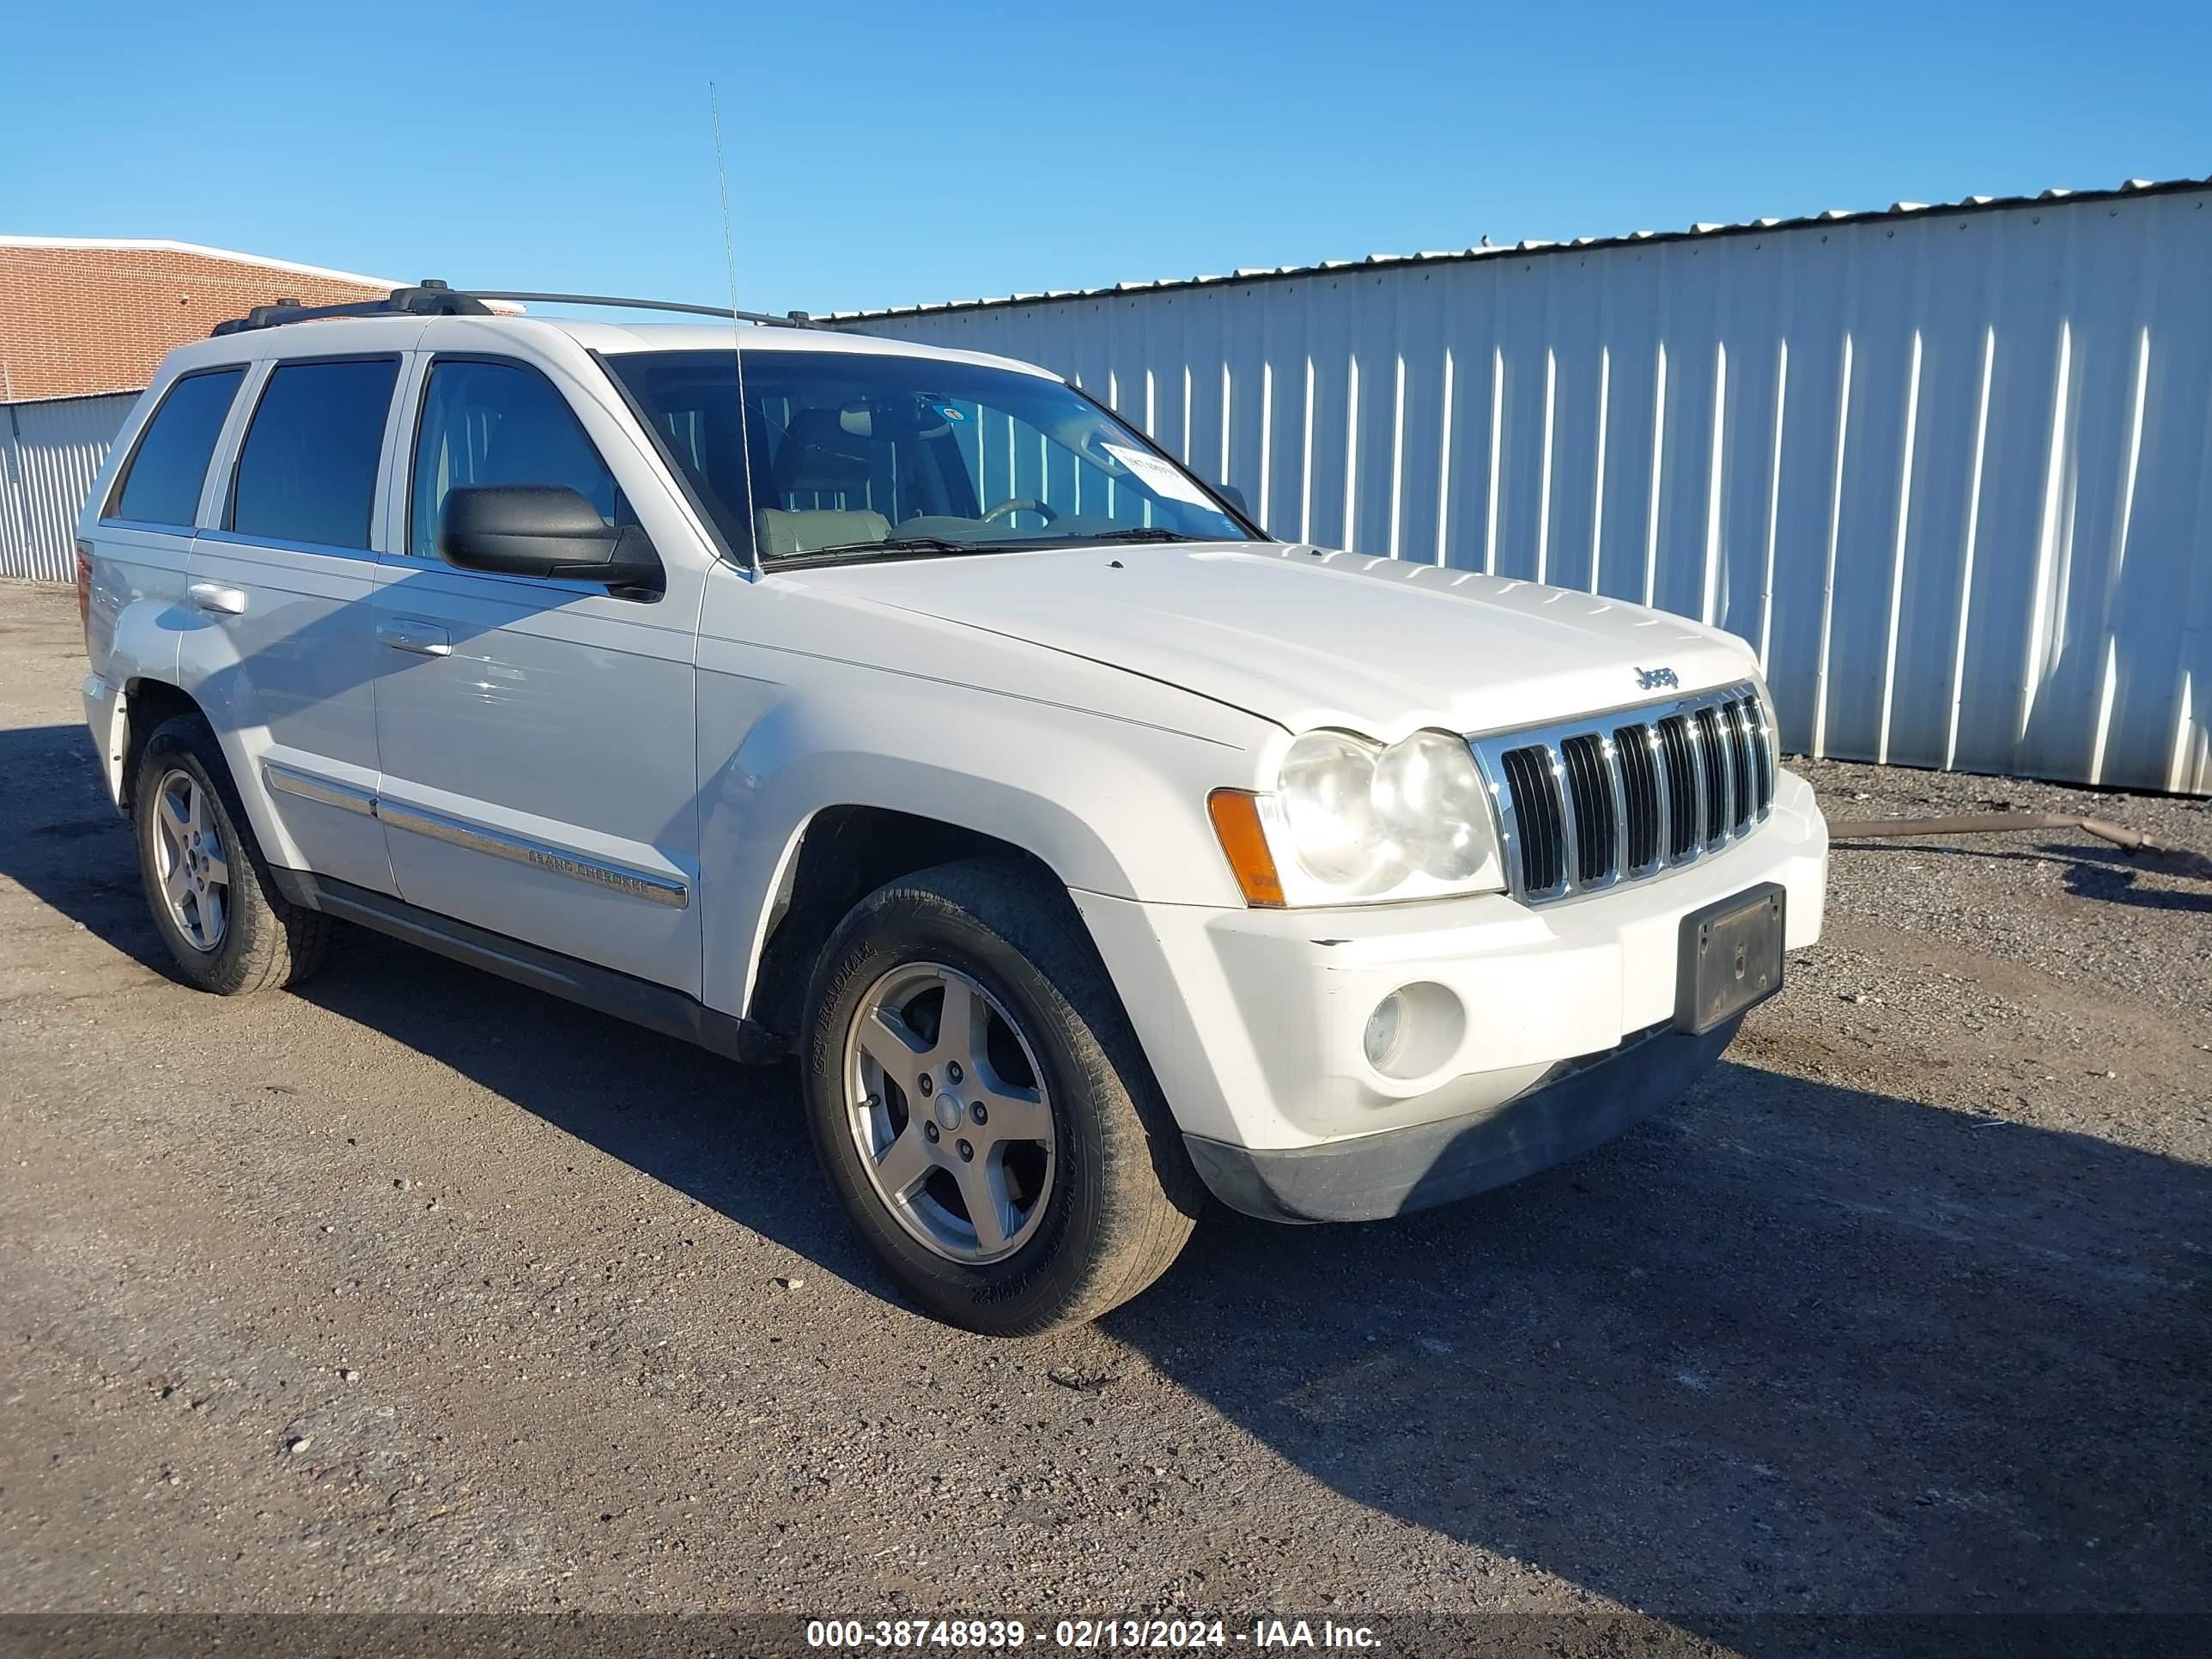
[[84, 585]]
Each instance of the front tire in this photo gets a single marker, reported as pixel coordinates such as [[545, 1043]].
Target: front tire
[[228, 928], [982, 1110]]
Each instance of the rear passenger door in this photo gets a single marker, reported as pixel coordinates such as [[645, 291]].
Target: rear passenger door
[[143, 538], [538, 737], [286, 577]]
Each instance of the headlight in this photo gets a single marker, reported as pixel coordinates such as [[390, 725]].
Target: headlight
[[1430, 798], [1351, 819], [1328, 799]]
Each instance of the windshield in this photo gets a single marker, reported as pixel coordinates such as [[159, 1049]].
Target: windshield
[[864, 455]]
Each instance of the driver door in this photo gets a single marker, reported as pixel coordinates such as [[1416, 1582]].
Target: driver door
[[538, 737]]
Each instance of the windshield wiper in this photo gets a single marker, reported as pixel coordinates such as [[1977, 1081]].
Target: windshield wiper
[[841, 551], [1045, 539], [1143, 533]]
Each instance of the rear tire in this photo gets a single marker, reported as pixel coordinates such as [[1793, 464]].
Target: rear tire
[[1049, 1116], [214, 904]]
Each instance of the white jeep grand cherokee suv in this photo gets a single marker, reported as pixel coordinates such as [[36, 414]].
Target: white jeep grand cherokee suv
[[906, 710]]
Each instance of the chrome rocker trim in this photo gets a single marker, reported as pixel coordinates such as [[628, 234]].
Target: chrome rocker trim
[[459, 832]]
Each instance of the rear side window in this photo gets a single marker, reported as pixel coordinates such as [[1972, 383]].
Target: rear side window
[[161, 484], [499, 423], [306, 472]]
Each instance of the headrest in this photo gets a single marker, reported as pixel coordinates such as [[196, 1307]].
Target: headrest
[[818, 454], [782, 533]]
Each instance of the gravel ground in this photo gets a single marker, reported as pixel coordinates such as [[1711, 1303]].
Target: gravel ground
[[418, 1291]]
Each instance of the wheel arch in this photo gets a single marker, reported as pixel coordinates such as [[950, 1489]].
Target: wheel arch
[[147, 704], [788, 777], [840, 855]]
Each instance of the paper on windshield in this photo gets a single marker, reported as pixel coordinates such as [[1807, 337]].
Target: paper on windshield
[[1161, 478]]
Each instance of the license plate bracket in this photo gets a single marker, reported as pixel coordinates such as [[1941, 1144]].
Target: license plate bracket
[[1730, 957]]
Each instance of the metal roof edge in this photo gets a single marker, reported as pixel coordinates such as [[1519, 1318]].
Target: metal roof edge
[[2133, 189], [71, 396], [228, 256]]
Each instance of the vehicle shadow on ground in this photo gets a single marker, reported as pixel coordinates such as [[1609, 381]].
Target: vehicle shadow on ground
[[62, 841], [1789, 1344]]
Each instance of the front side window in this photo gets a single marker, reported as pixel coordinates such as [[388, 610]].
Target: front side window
[[161, 484], [866, 452], [306, 472], [499, 423]]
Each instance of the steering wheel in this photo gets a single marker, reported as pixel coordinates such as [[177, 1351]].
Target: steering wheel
[[1014, 504]]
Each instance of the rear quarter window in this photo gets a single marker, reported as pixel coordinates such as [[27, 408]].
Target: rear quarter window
[[160, 483], [306, 472]]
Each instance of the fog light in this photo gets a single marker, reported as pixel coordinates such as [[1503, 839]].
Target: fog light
[[1415, 1032], [1384, 1027]]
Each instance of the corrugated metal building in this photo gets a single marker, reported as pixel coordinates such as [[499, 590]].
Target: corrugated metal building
[[1947, 469], [49, 453], [83, 323]]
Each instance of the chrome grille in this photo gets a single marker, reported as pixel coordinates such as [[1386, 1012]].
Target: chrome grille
[[1529, 775], [1680, 755], [1640, 792], [1592, 799], [1589, 804], [1716, 784]]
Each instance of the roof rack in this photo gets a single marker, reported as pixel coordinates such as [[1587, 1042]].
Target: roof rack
[[789, 319], [432, 298], [428, 298]]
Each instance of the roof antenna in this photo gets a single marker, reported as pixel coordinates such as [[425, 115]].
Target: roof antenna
[[737, 331]]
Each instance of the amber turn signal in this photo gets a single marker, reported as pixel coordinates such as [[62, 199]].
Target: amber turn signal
[[1236, 815]]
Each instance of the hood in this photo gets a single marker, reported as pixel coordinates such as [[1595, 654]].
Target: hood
[[1309, 638]]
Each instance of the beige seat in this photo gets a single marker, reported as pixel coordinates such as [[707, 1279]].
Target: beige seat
[[818, 457], [782, 533]]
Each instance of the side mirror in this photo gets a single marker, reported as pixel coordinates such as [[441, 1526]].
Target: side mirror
[[1235, 497], [542, 530]]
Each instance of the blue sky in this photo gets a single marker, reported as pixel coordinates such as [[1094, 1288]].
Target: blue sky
[[887, 153]]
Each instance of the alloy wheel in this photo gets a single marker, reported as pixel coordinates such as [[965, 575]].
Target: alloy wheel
[[949, 1112], [189, 860]]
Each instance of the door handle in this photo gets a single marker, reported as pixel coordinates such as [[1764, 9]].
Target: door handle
[[420, 639], [214, 596]]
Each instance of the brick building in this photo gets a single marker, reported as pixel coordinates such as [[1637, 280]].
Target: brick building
[[83, 323]]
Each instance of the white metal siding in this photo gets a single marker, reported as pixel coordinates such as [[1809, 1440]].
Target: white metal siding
[[1949, 472], [49, 455]]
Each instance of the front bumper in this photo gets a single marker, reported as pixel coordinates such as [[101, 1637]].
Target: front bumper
[[1253, 1020], [1578, 1105]]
